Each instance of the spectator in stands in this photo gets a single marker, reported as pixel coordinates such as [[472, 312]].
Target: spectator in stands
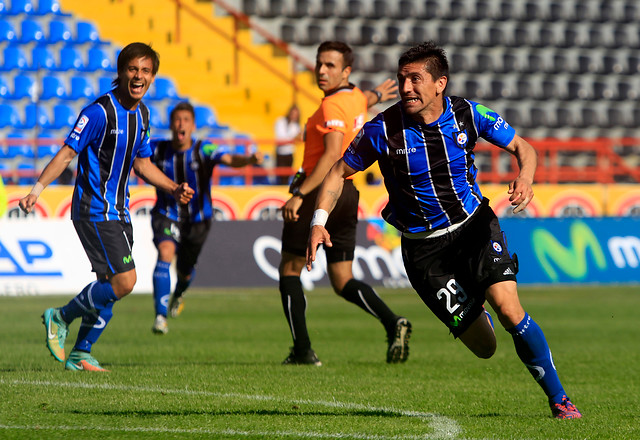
[[110, 137], [287, 132], [454, 252], [183, 229], [328, 132]]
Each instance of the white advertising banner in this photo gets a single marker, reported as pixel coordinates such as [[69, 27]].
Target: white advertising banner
[[40, 257]]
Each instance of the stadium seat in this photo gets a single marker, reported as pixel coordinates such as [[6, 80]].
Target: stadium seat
[[20, 7], [42, 57], [9, 117], [52, 87], [206, 118], [48, 7], [31, 32], [98, 60], [70, 59], [81, 88], [23, 87], [163, 88], [14, 57], [104, 85], [19, 146], [36, 116], [5, 89], [7, 32], [64, 116], [157, 120], [87, 32], [27, 173], [59, 32]]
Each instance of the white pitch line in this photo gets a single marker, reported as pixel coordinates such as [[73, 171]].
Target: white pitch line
[[443, 427]]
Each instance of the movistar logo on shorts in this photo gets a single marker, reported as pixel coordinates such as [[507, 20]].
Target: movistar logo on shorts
[[128, 259], [572, 260], [167, 231]]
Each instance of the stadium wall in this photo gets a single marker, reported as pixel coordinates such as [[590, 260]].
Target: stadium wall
[[41, 254]]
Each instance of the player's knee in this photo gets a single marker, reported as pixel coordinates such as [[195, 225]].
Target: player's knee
[[485, 350], [124, 283]]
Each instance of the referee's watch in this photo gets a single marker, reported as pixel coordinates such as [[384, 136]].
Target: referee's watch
[[296, 193]]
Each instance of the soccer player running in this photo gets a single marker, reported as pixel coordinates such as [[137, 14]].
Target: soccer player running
[[110, 137], [328, 133], [183, 228], [454, 252]]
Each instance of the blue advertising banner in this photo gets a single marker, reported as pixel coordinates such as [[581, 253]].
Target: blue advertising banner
[[575, 250]]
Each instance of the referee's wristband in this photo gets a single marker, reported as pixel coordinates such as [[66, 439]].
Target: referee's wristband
[[320, 217]]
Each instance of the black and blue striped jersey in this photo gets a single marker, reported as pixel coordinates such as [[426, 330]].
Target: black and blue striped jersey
[[428, 170], [107, 138], [193, 166]]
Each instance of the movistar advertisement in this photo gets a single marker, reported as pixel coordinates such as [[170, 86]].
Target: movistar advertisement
[[589, 250]]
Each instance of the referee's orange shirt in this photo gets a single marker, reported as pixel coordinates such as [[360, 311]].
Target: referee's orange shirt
[[344, 110]]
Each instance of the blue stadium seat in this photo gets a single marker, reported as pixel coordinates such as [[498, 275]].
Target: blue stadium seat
[[87, 32], [9, 116], [14, 57], [42, 57], [52, 87], [70, 59], [31, 32], [104, 84], [19, 146], [36, 116], [163, 88], [98, 60], [7, 32], [48, 144], [206, 117], [59, 32], [29, 177], [47, 7], [20, 7], [64, 116], [23, 87], [81, 88]]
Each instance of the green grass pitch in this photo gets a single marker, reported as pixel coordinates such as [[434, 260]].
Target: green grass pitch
[[217, 373]]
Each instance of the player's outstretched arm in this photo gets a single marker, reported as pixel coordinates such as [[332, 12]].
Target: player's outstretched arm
[[51, 172], [239, 160], [521, 190], [154, 176], [328, 196]]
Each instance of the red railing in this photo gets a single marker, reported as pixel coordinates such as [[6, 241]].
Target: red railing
[[559, 161]]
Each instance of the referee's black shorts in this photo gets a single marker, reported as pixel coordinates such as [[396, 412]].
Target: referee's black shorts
[[108, 245], [452, 272], [341, 226]]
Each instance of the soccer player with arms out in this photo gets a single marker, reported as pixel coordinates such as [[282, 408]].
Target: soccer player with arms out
[[110, 137], [328, 133], [183, 228], [453, 249]]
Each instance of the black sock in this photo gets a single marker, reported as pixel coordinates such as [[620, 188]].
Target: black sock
[[367, 299], [294, 305]]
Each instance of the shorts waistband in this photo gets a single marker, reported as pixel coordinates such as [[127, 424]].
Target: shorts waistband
[[437, 232]]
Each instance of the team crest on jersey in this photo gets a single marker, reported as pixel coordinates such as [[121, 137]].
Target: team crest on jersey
[[82, 122], [496, 247], [461, 138]]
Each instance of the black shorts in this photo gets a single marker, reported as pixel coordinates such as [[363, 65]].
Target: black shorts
[[188, 237], [452, 272], [108, 245], [341, 225]]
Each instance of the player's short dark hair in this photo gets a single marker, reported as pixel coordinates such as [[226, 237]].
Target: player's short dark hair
[[184, 105], [133, 51], [435, 58], [338, 46]]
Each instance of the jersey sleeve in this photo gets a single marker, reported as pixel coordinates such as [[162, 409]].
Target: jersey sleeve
[[334, 118], [145, 149], [214, 152], [89, 126], [364, 150], [492, 126]]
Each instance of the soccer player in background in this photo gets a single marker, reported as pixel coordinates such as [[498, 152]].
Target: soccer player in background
[[328, 133], [183, 228], [110, 137], [454, 251]]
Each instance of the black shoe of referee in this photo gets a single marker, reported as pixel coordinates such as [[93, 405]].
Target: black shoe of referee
[[306, 358]]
